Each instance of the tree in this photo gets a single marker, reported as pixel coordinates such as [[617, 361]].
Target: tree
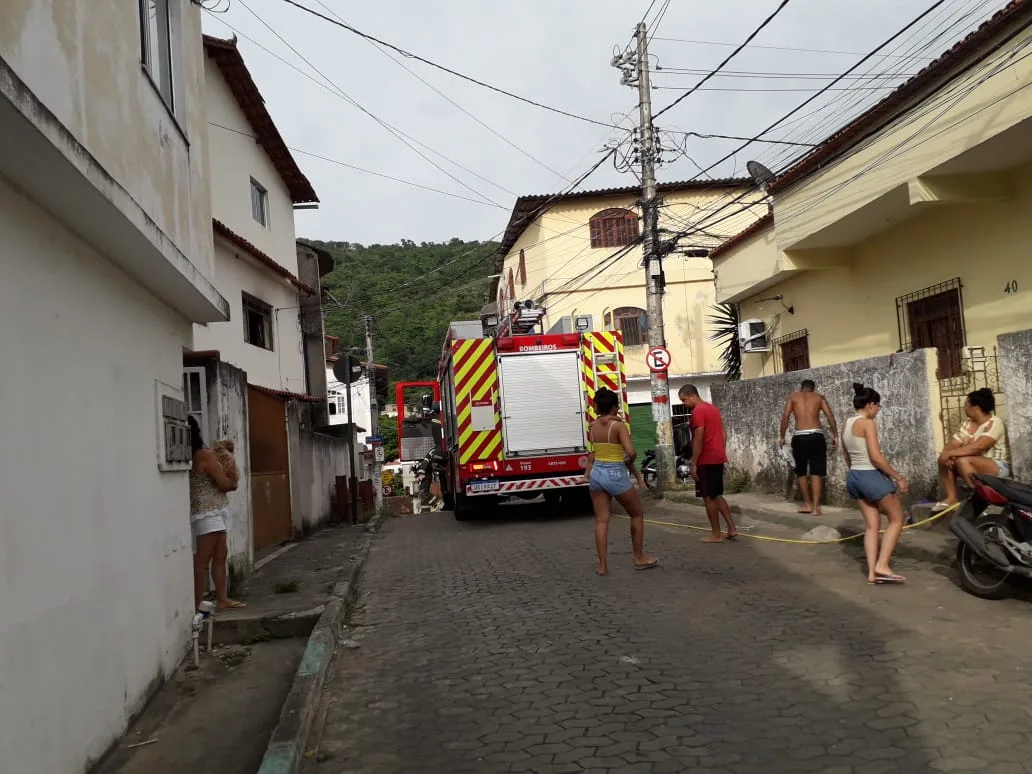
[[389, 431]]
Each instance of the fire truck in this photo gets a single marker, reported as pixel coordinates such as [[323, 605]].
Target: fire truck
[[514, 408]]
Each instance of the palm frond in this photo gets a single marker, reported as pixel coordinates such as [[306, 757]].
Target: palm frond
[[724, 320]]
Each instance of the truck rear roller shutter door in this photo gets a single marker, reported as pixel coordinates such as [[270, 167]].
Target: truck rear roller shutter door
[[542, 404]]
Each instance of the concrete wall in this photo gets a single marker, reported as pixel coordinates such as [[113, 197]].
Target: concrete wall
[[326, 457], [313, 336], [82, 60], [227, 398], [1016, 374], [282, 367], [235, 159], [906, 426], [95, 547]]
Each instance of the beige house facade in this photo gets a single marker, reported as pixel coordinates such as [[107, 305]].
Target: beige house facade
[[908, 229], [579, 256]]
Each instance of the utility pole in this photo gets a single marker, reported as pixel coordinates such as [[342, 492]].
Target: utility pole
[[654, 280], [374, 410]]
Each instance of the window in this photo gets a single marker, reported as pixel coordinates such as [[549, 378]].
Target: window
[[158, 33], [512, 285], [259, 203], [794, 351], [632, 322], [521, 272], [934, 318], [257, 322], [613, 228]]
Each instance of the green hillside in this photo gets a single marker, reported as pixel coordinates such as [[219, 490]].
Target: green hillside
[[412, 291]]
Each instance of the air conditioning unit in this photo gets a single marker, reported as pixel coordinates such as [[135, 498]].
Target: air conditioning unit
[[752, 336]]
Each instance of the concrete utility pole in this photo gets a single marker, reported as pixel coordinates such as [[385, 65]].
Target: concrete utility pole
[[374, 410], [653, 267]]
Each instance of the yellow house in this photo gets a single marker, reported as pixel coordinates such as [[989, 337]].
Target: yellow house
[[579, 256], [909, 228]]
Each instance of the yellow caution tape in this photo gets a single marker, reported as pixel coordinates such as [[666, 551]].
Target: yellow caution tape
[[929, 520]]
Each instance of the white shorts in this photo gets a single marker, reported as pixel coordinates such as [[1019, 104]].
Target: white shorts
[[209, 521]]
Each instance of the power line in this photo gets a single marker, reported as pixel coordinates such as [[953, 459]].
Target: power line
[[338, 162], [769, 48], [452, 102], [398, 134], [887, 87], [732, 55], [735, 137], [810, 99], [410, 55]]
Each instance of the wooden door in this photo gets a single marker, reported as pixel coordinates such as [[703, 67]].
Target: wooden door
[[937, 322], [270, 469]]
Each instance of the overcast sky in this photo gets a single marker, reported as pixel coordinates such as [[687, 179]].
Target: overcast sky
[[556, 52]]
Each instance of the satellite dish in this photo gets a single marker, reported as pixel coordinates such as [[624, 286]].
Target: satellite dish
[[759, 173]]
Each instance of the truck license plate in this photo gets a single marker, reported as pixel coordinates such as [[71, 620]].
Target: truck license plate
[[483, 486]]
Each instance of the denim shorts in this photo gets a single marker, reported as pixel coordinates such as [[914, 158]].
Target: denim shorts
[[870, 485], [612, 478]]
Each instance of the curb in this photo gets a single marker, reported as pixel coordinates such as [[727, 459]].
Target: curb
[[285, 751], [942, 556]]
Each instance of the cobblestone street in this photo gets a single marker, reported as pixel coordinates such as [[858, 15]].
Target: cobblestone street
[[494, 647]]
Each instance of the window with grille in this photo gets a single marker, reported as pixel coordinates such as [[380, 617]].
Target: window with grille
[[934, 318], [632, 322], [259, 203], [614, 227], [793, 349], [257, 322]]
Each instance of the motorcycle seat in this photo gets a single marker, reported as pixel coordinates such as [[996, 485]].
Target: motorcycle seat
[[1016, 492]]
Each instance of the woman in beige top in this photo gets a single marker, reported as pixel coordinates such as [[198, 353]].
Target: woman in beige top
[[209, 512], [980, 446]]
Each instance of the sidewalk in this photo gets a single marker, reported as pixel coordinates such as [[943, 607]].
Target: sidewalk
[[219, 718], [289, 591], [765, 514]]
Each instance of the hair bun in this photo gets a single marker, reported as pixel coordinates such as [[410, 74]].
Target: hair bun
[[984, 391], [858, 387]]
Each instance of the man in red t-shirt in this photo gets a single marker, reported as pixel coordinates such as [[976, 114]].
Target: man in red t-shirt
[[709, 455]]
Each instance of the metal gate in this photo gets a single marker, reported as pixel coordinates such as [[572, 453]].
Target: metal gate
[[270, 469], [977, 370]]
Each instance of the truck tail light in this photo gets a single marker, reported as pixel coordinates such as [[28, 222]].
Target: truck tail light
[[506, 343], [482, 467]]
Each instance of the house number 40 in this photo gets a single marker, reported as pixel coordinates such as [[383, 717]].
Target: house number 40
[[1011, 287]]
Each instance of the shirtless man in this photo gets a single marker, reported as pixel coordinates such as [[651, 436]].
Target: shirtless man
[[809, 446]]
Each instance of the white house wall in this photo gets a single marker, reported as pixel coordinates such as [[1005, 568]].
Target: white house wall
[[235, 159], [95, 553], [281, 368], [82, 60], [361, 405]]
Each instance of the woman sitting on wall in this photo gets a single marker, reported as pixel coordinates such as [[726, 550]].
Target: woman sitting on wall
[[980, 446]]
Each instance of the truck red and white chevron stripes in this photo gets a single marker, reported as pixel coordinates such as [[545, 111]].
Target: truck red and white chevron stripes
[[535, 484]]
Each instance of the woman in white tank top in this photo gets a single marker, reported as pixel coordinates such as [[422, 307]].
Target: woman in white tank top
[[873, 483]]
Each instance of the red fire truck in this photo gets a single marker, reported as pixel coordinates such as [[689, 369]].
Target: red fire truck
[[515, 408]]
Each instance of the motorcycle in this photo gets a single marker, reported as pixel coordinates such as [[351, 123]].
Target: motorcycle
[[994, 527], [682, 466]]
